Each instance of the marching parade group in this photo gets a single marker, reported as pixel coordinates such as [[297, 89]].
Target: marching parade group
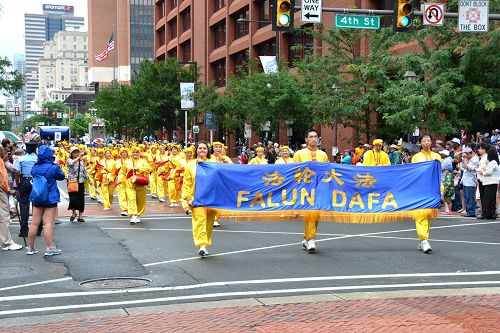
[[168, 171]]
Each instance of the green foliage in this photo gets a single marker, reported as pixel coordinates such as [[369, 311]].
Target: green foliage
[[36, 120], [10, 81], [5, 123], [146, 104], [79, 125]]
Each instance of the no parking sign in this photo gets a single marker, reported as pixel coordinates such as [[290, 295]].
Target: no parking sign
[[433, 14]]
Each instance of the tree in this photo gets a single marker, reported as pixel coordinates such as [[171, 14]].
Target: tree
[[10, 81], [38, 119], [5, 122], [79, 125]]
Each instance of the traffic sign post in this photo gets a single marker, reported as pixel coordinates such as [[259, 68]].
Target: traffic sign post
[[473, 15], [357, 22], [433, 14], [310, 11]]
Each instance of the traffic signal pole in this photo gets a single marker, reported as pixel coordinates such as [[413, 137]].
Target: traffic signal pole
[[388, 12]]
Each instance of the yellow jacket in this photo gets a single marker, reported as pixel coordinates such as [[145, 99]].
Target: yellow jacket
[[306, 155], [258, 160], [189, 181], [423, 156], [178, 163], [373, 158], [282, 160], [141, 167]]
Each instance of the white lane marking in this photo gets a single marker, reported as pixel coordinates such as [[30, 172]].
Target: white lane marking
[[126, 218], [246, 293], [434, 240], [35, 283], [246, 282], [223, 231]]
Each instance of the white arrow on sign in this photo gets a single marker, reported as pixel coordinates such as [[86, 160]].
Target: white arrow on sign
[[310, 11], [433, 14]]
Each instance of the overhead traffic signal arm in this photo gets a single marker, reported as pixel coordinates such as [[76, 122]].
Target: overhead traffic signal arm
[[403, 15], [282, 18]]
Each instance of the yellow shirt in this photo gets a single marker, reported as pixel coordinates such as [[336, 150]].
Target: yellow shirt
[[258, 160], [306, 155], [282, 160], [221, 159], [373, 158], [141, 167], [190, 180], [423, 156]]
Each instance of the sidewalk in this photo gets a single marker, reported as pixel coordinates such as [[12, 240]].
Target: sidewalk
[[402, 311]]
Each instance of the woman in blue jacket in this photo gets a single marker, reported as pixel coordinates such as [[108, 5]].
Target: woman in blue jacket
[[47, 210]]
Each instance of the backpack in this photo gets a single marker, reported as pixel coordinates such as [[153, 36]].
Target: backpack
[[39, 190]]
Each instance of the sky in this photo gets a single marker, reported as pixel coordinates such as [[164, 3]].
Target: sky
[[12, 21]]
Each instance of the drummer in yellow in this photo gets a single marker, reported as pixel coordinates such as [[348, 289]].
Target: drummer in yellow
[[423, 224], [376, 156], [121, 190], [178, 164], [162, 163], [151, 158], [284, 156], [259, 159], [203, 217], [310, 153], [136, 194], [108, 180]]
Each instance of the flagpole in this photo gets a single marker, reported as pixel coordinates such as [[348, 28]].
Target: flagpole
[[114, 53]]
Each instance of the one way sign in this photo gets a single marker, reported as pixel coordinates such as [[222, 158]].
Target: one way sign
[[310, 11]]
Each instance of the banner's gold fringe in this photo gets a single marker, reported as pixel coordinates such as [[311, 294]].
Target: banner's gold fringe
[[330, 216]]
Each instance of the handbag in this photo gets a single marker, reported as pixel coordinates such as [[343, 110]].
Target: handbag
[[73, 183]]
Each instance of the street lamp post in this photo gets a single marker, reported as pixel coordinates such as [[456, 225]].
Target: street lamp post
[[186, 111], [335, 90], [410, 76]]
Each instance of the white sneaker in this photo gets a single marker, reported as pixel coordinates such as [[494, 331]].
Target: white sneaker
[[304, 245], [311, 245], [124, 214], [176, 204], [137, 220], [100, 201], [133, 220], [171, 205], [12, 247], [154, 196], [424, 246], [202, 252], [161, 200], [106, 208], [216, 224]]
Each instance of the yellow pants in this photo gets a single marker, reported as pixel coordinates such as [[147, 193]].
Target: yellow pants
[[92, 191], [423, 226], [152, 184], [202, 224], [107, 191], [136, 200], [174, 194], [122, 197], [161, 187], [311, 220]]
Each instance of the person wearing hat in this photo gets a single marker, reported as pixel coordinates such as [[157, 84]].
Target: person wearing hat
[[76, 170], [150, 156], [449, 188], [90, 160], [259, 159], [395, 155], [23, 178], [121, 190], [108, 180], [310, 153], [136, 193], [376, 156], [347, 159], [446, 159], [175, 174], [218, 155], [162, 163], [284, 156], [423, 224], [495, 136], [470, 162]]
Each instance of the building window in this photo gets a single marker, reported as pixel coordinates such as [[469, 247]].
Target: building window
[[306, 43], [241, 28], [264, 11], [173, 4], [186, 51], [219, 4], [240, 61], [160, 36], [219, 73], [172, 27], [266, 49], [161, 8], [186, 19], [172, 53], [219, 35]]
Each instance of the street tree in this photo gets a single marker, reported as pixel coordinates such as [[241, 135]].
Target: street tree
[[10, 81]]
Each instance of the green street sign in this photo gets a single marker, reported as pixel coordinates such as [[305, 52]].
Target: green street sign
[[357, 21]]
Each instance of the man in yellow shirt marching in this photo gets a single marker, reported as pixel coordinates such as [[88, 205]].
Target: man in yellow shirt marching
[[377, 156], [310, 153], [423, 224]]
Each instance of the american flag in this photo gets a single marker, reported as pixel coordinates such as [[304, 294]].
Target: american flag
[[110, 47]]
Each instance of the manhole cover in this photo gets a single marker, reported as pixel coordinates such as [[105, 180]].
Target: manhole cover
[[115, 283]]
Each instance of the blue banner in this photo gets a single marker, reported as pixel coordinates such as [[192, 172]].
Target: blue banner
[[335, 190]]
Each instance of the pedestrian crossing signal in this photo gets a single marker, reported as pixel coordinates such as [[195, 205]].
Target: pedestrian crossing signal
[[282, 18], [403, 15]]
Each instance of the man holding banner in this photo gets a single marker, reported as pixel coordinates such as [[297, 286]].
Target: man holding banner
[[310, 153], [423, 224]]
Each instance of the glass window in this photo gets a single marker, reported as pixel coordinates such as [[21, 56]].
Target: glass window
[[306, 43], [172, 27], [219, 73], [219, 4], [219, 35], [264, 11], [186, 19], [241, 28], [240, 63], [186, 51]]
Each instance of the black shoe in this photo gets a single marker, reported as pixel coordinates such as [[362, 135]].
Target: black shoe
[[481, 217], [469, 215], [72, 218], [81, 220]]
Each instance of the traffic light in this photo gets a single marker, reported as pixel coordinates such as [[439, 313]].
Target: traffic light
[[282, 18], [54, 114], [72, 114], [403, 15]]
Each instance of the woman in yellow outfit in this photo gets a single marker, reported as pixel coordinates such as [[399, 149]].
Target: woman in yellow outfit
[[188, 152], [108, 180], [259, 159], [203, 217], [218, 155], [285, 156], [90, 163], [120, 184], [151, 158], [97, 168], [178, 164], [162, 164], [136, 194]]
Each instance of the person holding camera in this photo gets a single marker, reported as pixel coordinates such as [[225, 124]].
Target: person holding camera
[[76, 172]]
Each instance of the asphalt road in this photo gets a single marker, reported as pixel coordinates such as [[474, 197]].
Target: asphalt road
[[247, 260]]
